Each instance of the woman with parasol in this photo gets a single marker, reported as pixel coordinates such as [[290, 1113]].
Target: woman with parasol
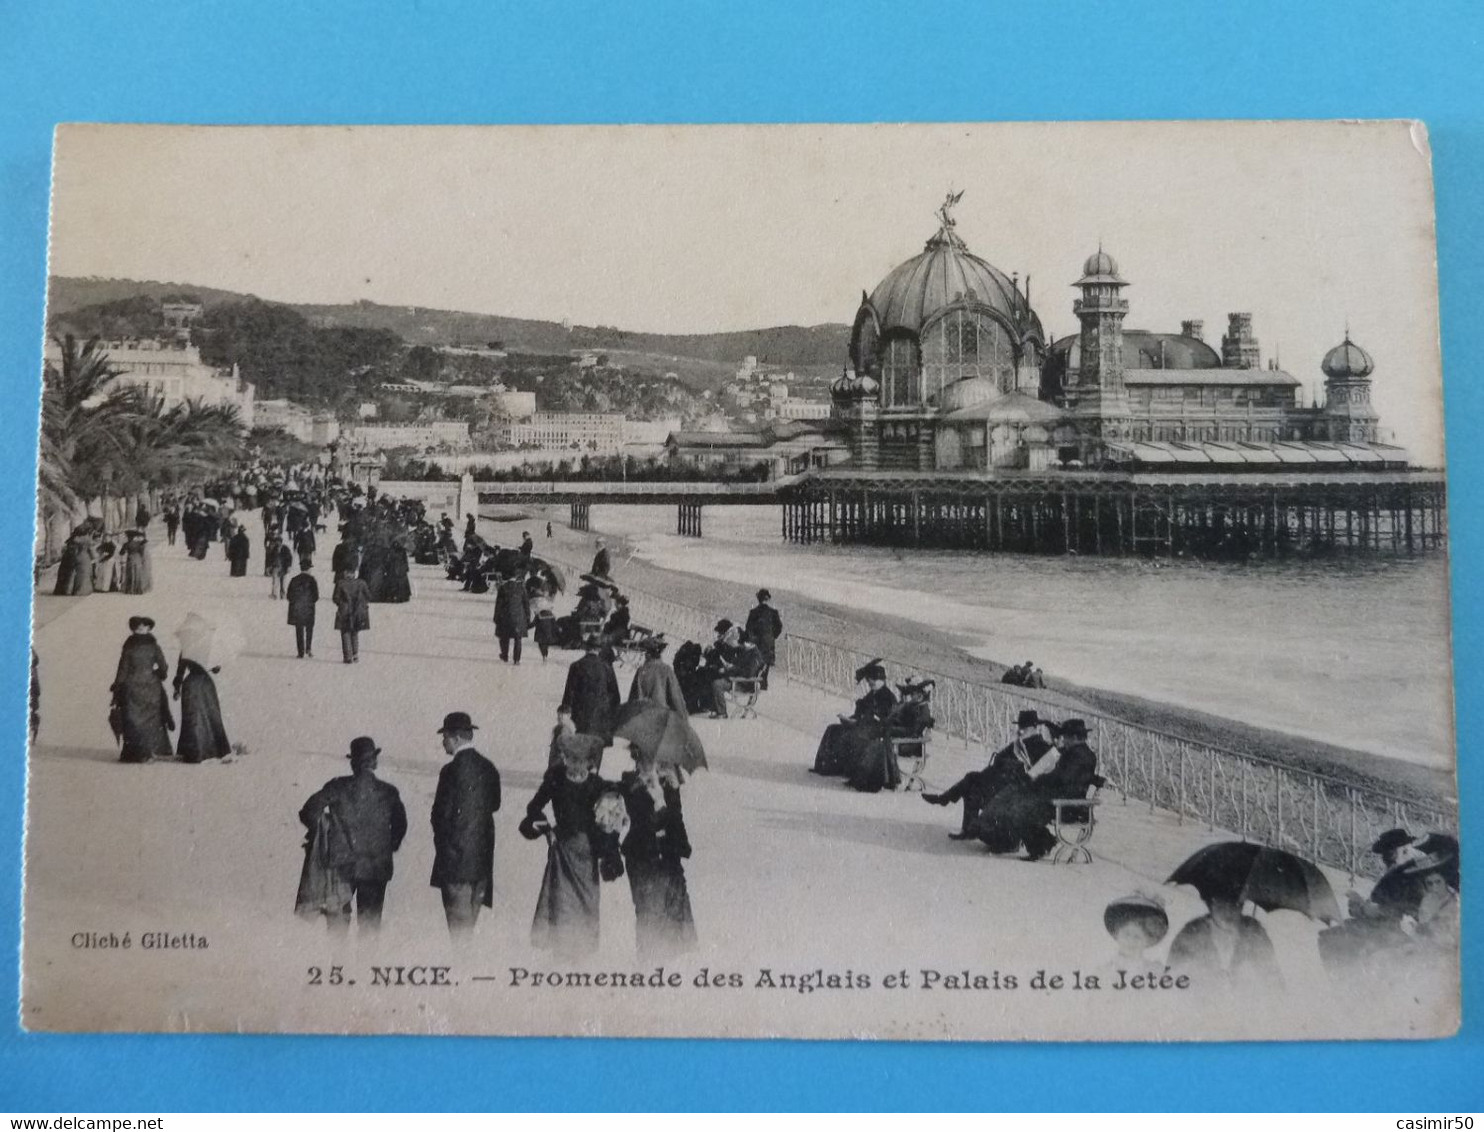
[[1227, 946], [202, 733], [578, 847], [654, 851], [140, 714]]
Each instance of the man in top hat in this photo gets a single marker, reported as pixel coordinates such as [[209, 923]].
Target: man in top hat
[[373, 816], [1020, 814], [655, 680], [464, 808], [591, 697], [764, 627], [1010, 764]]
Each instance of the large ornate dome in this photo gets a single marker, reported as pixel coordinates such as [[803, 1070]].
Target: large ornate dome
[[946, 273], [1347, 361], [942, 317]]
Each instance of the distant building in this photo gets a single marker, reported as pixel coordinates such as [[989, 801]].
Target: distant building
[[601, 432], [651, 434], [368, 410], [797, 409], [516, 404], [421, 435], [317, 428], [173, 371], [787, 448]]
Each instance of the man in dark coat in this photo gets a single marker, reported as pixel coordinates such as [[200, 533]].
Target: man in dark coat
[[764, 627], [1009, 765], [239, 547], [527, 544], [512, 615], [464, 827], [591, 697], [346, 557], [372, 813], [352, 600], [1021, 813], [303, 595], [602, 563], [304, 546]]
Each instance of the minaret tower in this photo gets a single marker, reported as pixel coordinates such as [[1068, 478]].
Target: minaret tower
[[1348, 413], [1099, 399]]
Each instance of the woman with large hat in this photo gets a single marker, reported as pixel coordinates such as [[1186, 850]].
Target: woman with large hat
[[838, 745], [566, 919], [876, 765], [654, 851], [140, 713]]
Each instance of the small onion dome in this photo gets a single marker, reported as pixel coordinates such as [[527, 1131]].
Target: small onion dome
[[1347, 361], [852, 387], [1099, 267], [969, 391]]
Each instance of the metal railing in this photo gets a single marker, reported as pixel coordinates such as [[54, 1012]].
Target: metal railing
[[1319, 817]]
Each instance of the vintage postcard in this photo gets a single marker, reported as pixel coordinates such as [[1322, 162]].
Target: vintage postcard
[[943, 582]]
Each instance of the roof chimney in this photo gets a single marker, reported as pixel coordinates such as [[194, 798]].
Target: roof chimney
[[1193, 328]]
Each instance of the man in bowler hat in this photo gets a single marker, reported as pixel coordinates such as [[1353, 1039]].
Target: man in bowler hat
[[464, 827], [375, 819]]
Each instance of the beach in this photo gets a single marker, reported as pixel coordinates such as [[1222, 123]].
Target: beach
[[1283, 666]]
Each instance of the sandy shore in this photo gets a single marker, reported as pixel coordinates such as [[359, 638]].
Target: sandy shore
[[929, 649]]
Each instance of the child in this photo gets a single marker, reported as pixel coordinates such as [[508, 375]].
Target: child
[[1136, 923]]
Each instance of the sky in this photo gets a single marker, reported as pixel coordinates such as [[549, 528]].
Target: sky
[[1309, 226]]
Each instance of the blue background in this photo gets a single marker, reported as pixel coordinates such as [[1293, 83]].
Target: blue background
[[422, 61]]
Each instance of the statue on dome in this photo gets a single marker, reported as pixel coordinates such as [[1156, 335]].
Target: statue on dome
[[945, 214]]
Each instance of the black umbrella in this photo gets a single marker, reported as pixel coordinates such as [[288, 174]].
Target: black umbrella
[[1269, 878]]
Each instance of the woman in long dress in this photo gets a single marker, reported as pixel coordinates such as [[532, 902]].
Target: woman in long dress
[[566, 919], [202, 735], [654, 851], [141, 711], [841, 742], [544, 626], [103, 565], [135, 577], [876, 766]]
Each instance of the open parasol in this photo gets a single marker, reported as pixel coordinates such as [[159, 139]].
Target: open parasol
[[209, 641], [1270, 878], [552, 572], [664, 735]]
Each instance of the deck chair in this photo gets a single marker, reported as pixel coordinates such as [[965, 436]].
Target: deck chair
[[911, 753]]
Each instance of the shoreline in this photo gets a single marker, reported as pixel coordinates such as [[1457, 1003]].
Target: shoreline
[[922, 647]]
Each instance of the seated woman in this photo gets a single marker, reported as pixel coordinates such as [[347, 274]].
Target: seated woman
[[589, 609], [835, 745], [876, 767], [616, 628], [691, 672]]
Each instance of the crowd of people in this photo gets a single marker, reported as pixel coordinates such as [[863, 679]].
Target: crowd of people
[[631, 823]]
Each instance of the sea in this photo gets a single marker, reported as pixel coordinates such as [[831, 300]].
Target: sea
[[1352, 651]]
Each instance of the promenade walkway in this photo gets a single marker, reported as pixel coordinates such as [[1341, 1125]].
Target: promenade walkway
[[791, 873]]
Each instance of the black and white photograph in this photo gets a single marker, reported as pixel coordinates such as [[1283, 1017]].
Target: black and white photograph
[[949, 582]]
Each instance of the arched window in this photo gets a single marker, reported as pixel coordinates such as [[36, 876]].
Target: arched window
[[965, 343], [899, 373]]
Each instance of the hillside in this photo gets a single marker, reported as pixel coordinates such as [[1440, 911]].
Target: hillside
[[812, 348]]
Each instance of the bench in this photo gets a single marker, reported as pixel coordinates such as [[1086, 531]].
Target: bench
[[632, 646], [743, 695], [1075, 820], [906, 748]]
